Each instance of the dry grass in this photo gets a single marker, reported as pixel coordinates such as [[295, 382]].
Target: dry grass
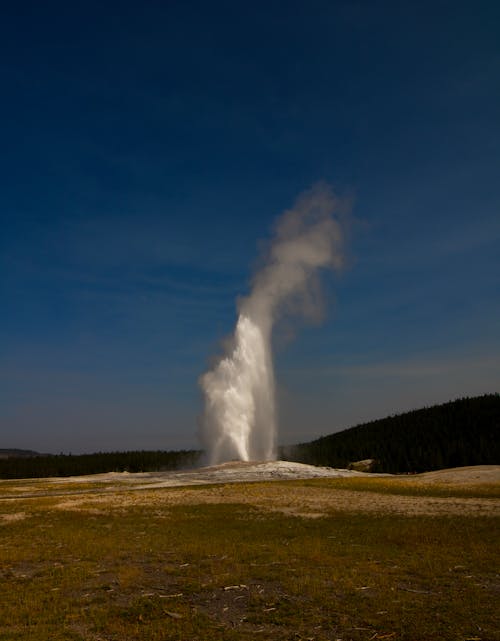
[[380, 561], [313, 498]]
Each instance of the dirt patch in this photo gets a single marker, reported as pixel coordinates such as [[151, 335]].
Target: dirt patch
[[10, 518], [468, 476]]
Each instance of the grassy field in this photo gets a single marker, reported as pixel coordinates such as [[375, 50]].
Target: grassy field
[[318, 559]]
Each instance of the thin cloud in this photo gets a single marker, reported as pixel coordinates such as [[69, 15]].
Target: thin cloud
[[431, 366]]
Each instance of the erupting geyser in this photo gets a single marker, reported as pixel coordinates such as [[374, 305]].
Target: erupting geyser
[[239, 420]]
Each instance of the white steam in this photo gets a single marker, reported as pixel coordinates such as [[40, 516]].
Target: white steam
[[239, 421]]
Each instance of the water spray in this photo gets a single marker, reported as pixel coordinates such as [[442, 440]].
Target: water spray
[[239, 420]]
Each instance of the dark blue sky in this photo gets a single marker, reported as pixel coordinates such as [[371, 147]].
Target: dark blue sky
[[147, 149]]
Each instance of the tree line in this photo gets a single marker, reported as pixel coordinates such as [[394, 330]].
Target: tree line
[[79, 465], [454, 434]]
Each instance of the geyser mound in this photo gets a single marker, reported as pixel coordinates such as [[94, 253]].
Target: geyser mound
[[239, 420]]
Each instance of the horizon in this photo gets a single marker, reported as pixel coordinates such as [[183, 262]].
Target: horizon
[[279, 447], [149, 152]]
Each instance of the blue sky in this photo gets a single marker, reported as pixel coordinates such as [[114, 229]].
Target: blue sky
[[148, 148]]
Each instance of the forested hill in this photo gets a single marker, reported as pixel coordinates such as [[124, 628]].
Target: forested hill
[[461, 432], [10, 453]]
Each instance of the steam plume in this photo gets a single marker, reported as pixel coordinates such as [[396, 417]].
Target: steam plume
[[239, 420]]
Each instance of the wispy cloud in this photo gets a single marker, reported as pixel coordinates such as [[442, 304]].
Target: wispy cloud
[[430, 365]]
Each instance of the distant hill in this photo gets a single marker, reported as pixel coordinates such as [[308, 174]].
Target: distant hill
[[454, 434], [10, 453]]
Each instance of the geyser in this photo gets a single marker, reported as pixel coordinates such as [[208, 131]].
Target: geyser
[[239, 420]]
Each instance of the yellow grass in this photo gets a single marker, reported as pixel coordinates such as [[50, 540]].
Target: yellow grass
[[376, 561]]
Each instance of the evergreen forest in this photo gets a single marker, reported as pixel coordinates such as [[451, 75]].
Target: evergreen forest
[[454, 434], [75, 465]]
